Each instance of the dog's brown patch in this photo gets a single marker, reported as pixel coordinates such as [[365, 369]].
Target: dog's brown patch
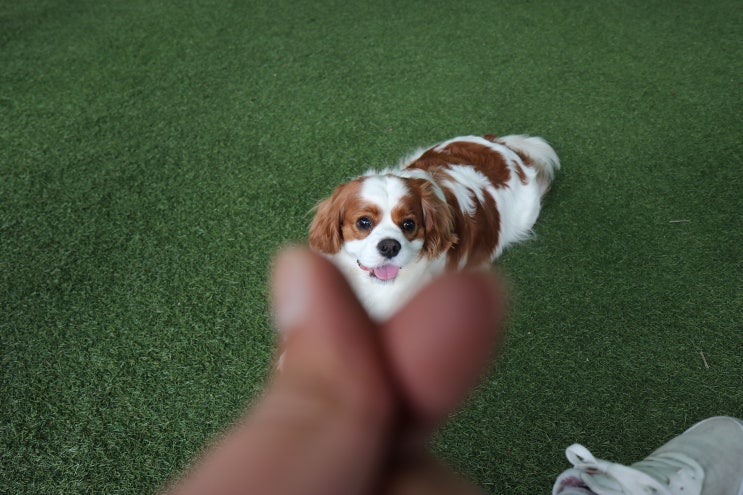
[[409, 208], [336, 216], [484, 159], [438, 218], [477, 234]]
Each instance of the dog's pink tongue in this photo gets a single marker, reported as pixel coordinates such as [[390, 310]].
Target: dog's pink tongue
[[386, 272]]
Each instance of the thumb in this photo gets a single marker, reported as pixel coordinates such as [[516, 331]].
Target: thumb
[[332, 377], [321, 426], [329, 341]]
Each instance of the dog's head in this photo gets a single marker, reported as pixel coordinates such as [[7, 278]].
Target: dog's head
[[384, 222]]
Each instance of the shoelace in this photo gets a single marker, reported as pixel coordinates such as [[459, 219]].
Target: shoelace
[[679, 474]]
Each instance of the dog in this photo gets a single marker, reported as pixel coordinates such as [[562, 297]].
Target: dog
[[453, 206]]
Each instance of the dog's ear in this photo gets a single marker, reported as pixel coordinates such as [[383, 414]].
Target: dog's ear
[[325, 231], [438, 220]]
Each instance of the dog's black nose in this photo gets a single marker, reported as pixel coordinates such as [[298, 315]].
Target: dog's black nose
[[388, 248]]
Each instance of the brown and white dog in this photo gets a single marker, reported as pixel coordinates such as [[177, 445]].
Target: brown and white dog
[[453, 206]]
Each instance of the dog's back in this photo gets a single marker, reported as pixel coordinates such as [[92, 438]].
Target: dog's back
[[494, 186], [537, 152]]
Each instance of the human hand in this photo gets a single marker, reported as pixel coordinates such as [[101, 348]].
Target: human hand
[[355, 402]]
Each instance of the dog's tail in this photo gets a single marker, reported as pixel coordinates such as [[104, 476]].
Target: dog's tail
[[536, 152]]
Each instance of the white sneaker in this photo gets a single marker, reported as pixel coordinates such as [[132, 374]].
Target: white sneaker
[[707, 459]]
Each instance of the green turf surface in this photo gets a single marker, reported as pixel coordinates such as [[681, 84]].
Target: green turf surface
[[154, 154]]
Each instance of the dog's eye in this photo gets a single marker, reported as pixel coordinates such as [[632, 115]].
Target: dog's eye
[[364, 223], [408, 225]]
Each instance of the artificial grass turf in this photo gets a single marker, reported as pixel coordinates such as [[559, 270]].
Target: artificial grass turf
[[153, 155]]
